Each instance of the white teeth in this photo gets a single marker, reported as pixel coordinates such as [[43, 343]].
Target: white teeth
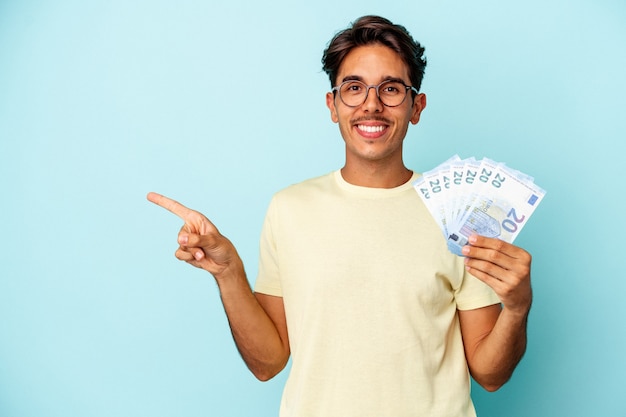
[[371, 129]]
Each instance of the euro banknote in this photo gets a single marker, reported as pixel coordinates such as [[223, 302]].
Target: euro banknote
[[485, 197]]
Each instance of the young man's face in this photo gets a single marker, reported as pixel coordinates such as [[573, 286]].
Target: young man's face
[[373, 131]]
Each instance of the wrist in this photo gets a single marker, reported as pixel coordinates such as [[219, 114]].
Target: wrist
[[230, 273], [518, 313]]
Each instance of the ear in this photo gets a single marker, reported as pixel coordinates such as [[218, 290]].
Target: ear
[[330, 103], [419, 104]]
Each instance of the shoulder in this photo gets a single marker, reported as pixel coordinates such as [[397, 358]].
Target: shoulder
[[307, 188]]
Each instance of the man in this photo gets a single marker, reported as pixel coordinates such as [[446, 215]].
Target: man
[[355, 281]]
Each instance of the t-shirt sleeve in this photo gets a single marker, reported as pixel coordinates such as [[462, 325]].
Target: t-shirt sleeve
[[268, 278], [473, 293]]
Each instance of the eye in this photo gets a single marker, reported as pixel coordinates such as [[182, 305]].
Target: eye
[[391, 88], [352, 87]]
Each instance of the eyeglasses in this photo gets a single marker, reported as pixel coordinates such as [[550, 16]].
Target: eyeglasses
[[353, 93]]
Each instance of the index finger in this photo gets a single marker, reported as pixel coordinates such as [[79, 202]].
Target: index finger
[[171, 205], [496, 244]]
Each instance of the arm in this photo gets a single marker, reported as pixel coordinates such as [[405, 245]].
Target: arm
[[494, 337], [257, 322]]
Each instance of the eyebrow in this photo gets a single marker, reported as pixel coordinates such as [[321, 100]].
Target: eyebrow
[[387, 78]]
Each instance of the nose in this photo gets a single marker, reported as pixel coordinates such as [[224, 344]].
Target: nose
[[372, 103]]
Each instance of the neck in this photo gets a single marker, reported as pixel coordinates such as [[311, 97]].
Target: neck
[[376, 176]]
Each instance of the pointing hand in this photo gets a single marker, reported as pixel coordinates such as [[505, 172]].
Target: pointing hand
[[201, 244]]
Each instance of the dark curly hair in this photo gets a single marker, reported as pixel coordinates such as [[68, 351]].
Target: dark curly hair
[[370, 30]]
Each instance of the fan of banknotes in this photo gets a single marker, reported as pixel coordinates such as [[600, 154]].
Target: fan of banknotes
[[467, 196]]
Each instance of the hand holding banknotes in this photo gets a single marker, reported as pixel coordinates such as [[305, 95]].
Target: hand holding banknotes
[[502, 266], [481, 206]]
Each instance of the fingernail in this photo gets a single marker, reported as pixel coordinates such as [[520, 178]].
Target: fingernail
[[183, 239], [198, 255], [465, 250], [472, 239]]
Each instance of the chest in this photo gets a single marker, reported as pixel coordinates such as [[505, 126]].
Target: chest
[[389, 253]]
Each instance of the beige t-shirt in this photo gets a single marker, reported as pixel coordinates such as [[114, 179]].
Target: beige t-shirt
[[371, 296]]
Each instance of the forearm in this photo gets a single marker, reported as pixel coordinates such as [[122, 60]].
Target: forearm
[[495, 357], [495, 346], [255, 334]]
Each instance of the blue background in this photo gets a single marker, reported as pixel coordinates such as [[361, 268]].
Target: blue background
[[219, 105]]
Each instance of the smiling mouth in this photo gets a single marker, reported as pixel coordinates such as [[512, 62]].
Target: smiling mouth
[[371, 129]]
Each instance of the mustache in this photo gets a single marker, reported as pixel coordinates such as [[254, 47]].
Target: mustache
[[370, 119]]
